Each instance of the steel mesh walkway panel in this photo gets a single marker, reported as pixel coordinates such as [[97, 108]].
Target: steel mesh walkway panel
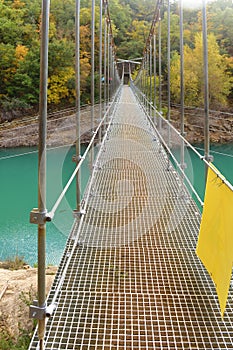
[[133, 280]]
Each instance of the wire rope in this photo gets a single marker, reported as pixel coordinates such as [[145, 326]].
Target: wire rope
[[216, 152], [35, 151]]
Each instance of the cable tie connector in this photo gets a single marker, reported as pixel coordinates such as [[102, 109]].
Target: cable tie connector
[[77, 214], [183, 166], [39, 313], [76, 158], [209, 158], [36, 311], [50, 309], [39, 218]]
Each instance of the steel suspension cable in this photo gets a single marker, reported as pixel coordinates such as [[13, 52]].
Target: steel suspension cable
[[160, 63], [105, 57], [77, 84], [100, 65], [38, 216], [155, 77], [92, 74], [206, 84], [182, 145], [169, 69]]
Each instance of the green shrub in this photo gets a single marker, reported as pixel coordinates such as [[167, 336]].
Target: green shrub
[[14, 263]]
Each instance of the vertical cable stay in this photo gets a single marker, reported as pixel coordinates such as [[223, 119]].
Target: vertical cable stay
[[160, 65], [105, 57], [182, 160], [151, 77], [169, 70], [155, 83], [148, 78], [92, 75], [206, 85], [100, 65], [108, 62], [39, 216], [77, 84]]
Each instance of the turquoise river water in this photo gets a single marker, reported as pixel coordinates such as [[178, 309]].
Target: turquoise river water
[[18, 195]]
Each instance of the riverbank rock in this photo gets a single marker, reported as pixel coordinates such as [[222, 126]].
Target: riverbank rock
[[61, 129], [18, 289]]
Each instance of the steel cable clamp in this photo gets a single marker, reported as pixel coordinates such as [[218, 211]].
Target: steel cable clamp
[[40, 313], [39, 218]]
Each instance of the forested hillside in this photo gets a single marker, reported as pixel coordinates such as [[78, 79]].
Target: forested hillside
[[20, 45]]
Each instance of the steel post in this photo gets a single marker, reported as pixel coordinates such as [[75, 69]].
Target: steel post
[[160, 72], [100, 65], [77, 84], [108, 68], [150, 78], [181, 83], [144, 82], [155, 85], [105, 60], [42, 165], [206, 84], [147, 79], [169, 70], [92, 75]]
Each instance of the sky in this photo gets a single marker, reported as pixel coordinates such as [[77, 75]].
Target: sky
[[193, 4]]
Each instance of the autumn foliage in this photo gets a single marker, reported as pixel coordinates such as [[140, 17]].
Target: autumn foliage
[[20, 22]]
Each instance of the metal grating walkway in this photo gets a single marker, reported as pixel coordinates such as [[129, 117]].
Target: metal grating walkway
[[133, 280]]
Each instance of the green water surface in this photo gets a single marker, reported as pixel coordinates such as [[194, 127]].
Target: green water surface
[[18, 195]]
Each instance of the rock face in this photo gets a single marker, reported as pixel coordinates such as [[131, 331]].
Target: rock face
[[220, 125], [61, 129], [18, 289]]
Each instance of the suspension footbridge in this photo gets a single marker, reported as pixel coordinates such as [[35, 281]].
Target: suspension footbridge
[[129, 277]]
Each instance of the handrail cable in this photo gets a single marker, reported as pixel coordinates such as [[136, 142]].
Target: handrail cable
[[13, 129], [71, 144], [50, 116], [216, 152], [35, 151]]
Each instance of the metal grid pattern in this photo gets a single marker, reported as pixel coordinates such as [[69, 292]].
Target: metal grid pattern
[[133, 280]]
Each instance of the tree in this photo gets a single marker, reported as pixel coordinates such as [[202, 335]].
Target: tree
[[59, 86], [219, 78], [7, 63], [11, 24], [25, 81]]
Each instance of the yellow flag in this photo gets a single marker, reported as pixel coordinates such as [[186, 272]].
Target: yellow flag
[[215, 242]]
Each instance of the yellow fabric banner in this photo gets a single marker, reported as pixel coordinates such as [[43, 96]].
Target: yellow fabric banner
[[215, 242]]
